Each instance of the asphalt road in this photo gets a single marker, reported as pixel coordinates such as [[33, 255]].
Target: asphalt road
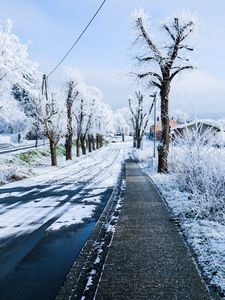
[[46, 220]]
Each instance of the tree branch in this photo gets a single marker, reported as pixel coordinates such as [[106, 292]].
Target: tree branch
[[146, 59], [153, 74], [180, 70], [146, 37], [169, 32]]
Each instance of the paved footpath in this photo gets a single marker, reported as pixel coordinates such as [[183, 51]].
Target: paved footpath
[[148, 258]]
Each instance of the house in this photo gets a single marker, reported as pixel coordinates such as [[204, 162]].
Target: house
[[201, 126], [158, 128]]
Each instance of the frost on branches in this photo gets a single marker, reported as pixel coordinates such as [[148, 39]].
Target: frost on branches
[[122, 122], [199, 165], [140, 109], [18, 81], [161, 62], [194, 190]]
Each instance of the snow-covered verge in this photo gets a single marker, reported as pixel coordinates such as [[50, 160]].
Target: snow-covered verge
[[194, 192], [205, 236], [22, 164]]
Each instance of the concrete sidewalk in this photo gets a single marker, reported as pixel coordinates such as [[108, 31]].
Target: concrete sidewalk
[[148, 258]]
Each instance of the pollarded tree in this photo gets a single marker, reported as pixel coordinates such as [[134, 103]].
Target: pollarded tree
[[86, 112], [50, 110], [140, 114], [73, 82], [93, 101], [71, 96], [164, 64], [80, 112], [54, 123], [121, 125]]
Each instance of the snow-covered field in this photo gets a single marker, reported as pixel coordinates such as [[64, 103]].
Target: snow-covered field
[[64, 196], [206, 235]]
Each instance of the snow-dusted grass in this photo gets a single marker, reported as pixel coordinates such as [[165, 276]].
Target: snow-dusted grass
[[22, 164], [145, 153], [194, 191]]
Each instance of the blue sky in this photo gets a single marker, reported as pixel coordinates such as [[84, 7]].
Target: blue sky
[[104, 55]]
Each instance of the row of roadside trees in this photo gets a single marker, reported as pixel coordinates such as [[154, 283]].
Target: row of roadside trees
[[72, 111]]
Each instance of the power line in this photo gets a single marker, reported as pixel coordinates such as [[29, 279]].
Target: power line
[[77, 40]]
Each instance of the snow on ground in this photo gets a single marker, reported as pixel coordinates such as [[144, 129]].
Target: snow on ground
[[206, 236], [65, 196]]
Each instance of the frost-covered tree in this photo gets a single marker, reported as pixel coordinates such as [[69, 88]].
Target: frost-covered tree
[[140, 112], [18, 78], [122, 123], [104, 124], [86, 111], [51, 114], [163, 62], [12, 118], [180, 116], [73, 82]]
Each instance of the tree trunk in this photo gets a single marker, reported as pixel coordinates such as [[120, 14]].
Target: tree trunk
[[69, 134], [89, 144], [83, 146], [93, 142], [68, 146], [53, 153], [100, 141], [36, 134], [138, 143], [78, 146], [123, 139], [97, 141], [163, 148], [36, 141]]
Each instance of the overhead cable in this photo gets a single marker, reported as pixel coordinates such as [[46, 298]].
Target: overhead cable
[[78, 39]]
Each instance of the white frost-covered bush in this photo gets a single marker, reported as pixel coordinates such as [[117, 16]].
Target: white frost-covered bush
[[200, 169]]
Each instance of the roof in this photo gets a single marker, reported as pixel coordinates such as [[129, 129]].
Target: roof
[[208, 122], [172, 124]]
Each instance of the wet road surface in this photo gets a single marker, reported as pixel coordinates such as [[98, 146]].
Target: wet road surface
[[45, 221]]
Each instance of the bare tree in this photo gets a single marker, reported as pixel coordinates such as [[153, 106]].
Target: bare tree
[[86, 137], [80, 119], [53, 126], [72, 94], [49, 111], [139, 119], [121, 126], [165, 66]]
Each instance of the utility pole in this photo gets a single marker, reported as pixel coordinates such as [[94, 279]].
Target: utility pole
[[154, 102], [154, 128]]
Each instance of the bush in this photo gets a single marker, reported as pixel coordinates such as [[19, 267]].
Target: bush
[[200, 170]]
